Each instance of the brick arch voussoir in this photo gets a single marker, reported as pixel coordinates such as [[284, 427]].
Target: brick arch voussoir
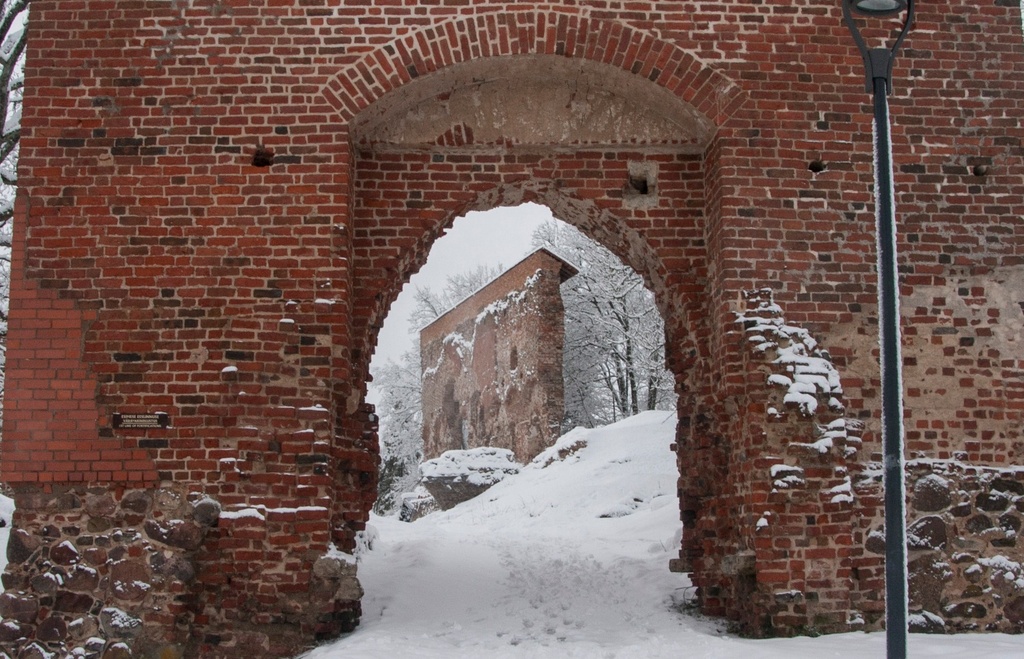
[[563, 33]]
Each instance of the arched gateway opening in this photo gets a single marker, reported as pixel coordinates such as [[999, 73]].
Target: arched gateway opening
[[517, 330], [614, 155], [569, 550], [624, 152], [224, 527]]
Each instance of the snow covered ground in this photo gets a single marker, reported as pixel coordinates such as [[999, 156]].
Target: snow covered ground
[[6, 512], [570, 560]]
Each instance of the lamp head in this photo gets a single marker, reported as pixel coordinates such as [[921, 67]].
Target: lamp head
[[877, 61], [878, 7]]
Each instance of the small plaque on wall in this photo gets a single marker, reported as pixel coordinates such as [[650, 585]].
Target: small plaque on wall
[[143, 421]]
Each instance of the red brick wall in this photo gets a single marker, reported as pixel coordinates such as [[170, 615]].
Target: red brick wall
[[498, 356], [155, 253]]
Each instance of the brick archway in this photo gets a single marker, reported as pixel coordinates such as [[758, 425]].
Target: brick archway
[[601, 225], [411, 177], [218, 200], [564, 33]]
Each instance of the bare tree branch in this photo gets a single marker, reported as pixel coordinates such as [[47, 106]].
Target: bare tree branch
[[12, 49], [614, 355]]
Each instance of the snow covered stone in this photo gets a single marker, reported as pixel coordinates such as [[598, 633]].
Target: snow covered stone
[[118, 651], [83, 628], [416, 504], [118, 624], [82, 579], [875, 541], [22, 608], [926, 622], [979, 524], [36, 651], [64, 554], [459, 476], [993, 502], [130, 580], [176, 533], [481, 466], [12, 631], [206, 511], [966, 610], [927, 533], [21, 545], [931, 494]]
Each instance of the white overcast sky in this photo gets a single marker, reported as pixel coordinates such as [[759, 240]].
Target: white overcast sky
[[502, 235]]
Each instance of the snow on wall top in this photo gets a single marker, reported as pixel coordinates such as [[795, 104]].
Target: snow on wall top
[[495, 289]]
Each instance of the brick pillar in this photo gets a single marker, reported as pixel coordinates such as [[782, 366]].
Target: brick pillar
[[793, 495]]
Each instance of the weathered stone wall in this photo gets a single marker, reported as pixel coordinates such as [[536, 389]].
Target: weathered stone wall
[[492, 366], [132, 570], [964, 557], [219, 200]]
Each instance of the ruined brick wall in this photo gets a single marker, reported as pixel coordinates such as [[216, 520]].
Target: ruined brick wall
[[492, 365], [220, 199]]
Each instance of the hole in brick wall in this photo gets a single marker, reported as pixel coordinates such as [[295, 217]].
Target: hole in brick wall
[[641, 189], [980, 170], [638, 185], [817, 166], [263, 157]]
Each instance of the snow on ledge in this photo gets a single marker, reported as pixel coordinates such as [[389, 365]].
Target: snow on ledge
[[807, 377], [810, 374]]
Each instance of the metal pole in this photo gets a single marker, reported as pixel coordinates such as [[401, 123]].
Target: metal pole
[[878, 68], [892, 384]]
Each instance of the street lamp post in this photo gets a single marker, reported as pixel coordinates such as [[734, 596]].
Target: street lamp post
[[878, 68]]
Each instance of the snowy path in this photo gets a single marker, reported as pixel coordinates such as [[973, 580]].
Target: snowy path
[[569, 561], [499, 592]]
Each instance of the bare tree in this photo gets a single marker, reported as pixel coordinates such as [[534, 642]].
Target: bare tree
[[13, 19], [614, 356], [12, 67], [430, 304], [401, 429]]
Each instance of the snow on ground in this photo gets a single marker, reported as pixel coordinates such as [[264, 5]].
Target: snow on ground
[[570, 560], [6, 513]]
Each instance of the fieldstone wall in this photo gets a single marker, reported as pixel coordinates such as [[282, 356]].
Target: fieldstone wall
[[121, 574], [492, 366], [964, 555], [104, 573]]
